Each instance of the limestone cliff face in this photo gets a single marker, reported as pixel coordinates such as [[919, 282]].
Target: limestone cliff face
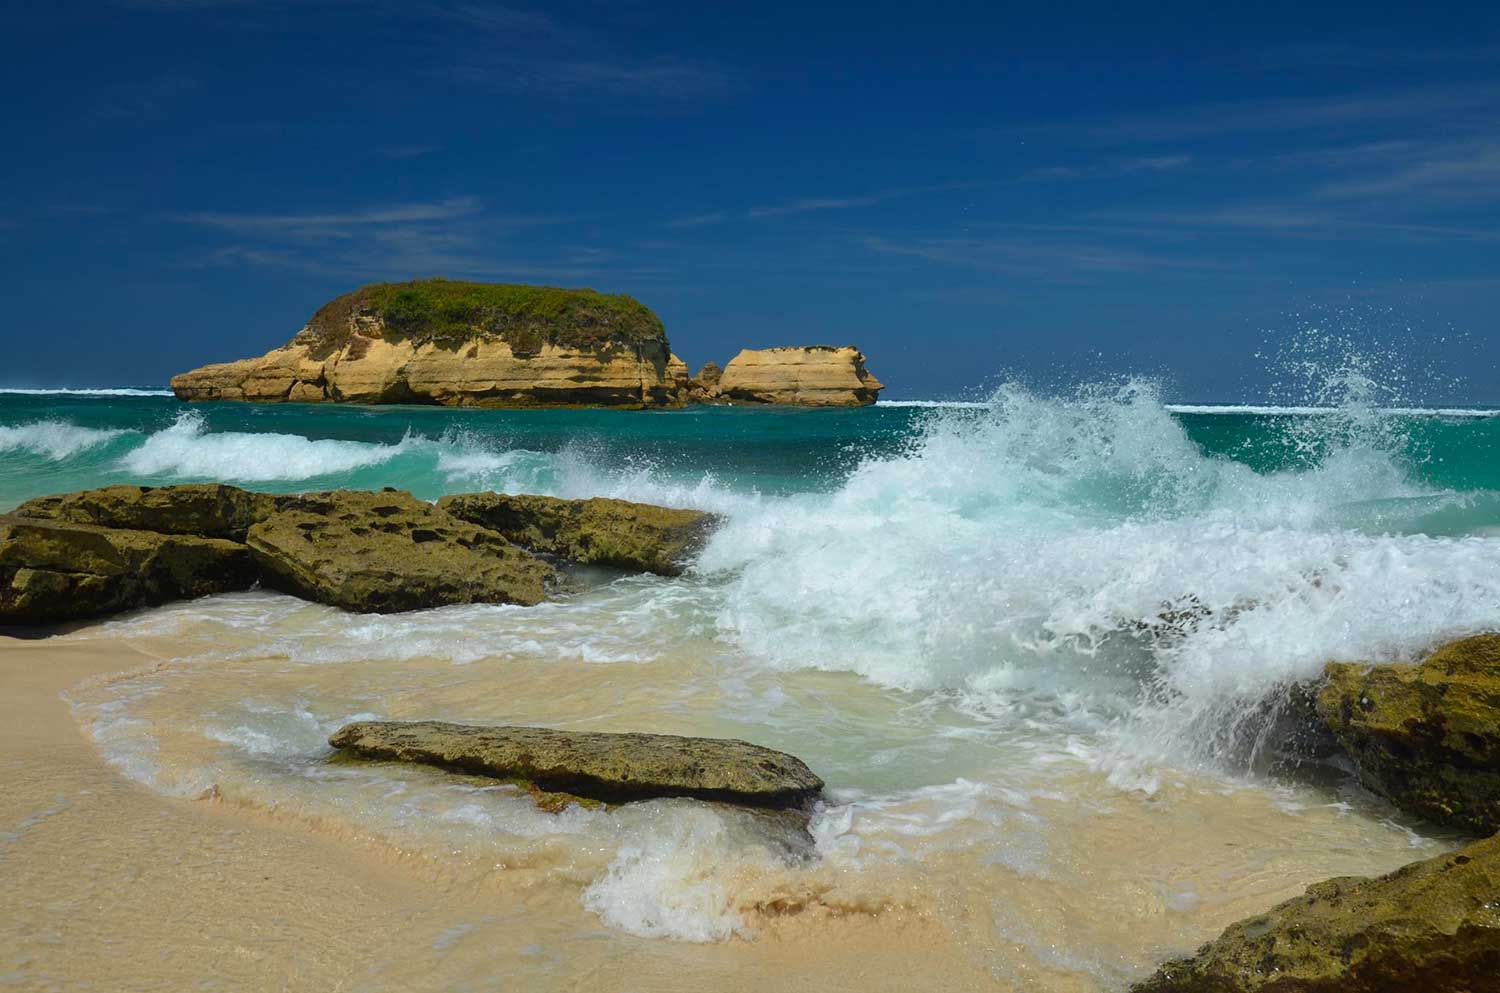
[[809, 376], [460, 344]]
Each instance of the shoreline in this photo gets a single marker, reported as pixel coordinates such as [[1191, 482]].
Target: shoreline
[[109, 880]]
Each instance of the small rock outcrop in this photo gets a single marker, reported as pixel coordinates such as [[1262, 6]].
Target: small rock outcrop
[[809, 376], [388, 552], [614, 768], [599, 531], [58, 570], [1432, 926], [439, 341], [1426, 737], [704, 387]]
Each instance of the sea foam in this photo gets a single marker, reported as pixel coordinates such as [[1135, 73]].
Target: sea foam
[[54, 439]]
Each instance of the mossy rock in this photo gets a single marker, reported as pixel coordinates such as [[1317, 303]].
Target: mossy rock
[[599, 531], [57, 570], [613, 768], [206, 510], [388, 552], [1427, 737], [1429, 927]]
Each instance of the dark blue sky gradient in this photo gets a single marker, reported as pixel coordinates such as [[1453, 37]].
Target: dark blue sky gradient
[[967, 191]]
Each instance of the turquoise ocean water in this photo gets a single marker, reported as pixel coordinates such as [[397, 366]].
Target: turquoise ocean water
[[954, 613]]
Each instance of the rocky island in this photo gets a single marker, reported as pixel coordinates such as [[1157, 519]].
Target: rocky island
[[465, 344]]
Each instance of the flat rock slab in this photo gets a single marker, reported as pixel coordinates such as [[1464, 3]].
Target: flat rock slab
[[615, 768], [388, 552], [205, 510], [598, 531], [1429, 927]]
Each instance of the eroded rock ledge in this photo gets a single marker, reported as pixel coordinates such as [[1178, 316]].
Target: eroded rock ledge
[[98, 552], [441, 341], [613, 768], [805, 376]]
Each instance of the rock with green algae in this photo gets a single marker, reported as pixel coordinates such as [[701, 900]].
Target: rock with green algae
[[388, 552], [1429, 927], [59, 570], [206, 510], [599, 531], [614, 768], [1427, 737]]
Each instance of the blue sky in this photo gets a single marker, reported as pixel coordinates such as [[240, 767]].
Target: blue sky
[[969, 192]]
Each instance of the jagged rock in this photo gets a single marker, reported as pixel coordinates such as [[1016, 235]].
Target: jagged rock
[[812, 376], [207, 510], [462, 344], [1427, 736], [682, 380], [710, 374], [1429, 927], [704, 387], [599, 531], [614, 768], [59, 570], [387, 552]]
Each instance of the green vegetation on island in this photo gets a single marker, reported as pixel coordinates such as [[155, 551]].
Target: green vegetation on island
[[450, 312]]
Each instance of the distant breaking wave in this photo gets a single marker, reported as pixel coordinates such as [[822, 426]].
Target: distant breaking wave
[[54, 439], [1233, 408], [86, 391]]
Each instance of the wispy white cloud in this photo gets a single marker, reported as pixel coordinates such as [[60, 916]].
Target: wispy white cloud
[[333, 223], [1347, 55], [662, 78], [809, 205], [1114, 167], [1427, 104], [1035, 254], [699, 220], [488, 16], [1450, 175], [409, 151]]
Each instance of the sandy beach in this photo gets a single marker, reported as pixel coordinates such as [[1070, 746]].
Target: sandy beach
[[109, 886], [113, 885]]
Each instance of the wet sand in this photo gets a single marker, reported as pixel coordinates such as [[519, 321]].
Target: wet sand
[[110, 886]]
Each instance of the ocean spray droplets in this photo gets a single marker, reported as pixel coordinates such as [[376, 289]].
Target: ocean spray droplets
[[1082, 554]]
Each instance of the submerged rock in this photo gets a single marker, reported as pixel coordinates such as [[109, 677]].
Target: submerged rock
[[1427, 737], [58, 570], [1432, 926], [614, 768], [810, 376], [599, 531], [439, 341], [207, 510], [388, 552]]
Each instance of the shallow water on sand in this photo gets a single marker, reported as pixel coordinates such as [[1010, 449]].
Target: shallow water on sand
[[1033, 645], [1005, 839]]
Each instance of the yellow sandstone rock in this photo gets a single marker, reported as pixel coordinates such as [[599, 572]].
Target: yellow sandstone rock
[[809, 376]]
